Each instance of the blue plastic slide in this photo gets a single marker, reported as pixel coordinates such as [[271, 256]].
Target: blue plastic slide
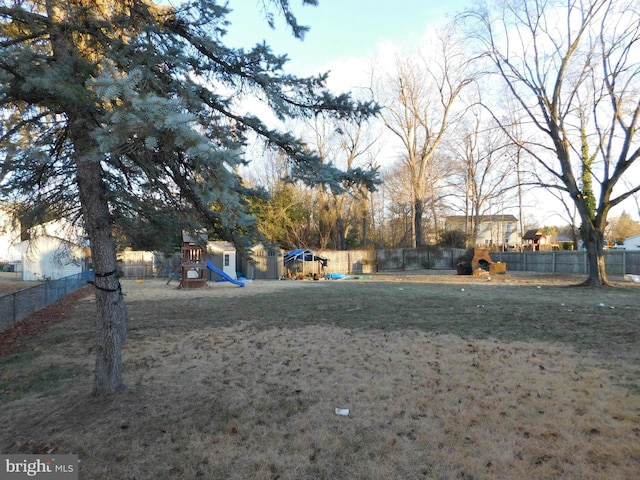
[[226, 277]]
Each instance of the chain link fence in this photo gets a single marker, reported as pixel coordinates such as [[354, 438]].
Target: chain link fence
[[16, 306]]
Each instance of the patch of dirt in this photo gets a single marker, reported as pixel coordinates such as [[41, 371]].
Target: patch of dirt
[[14, 337]]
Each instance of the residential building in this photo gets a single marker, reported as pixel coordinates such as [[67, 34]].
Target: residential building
[[632, 243], [536, 240], [492, 231], [10, 257], [45, 252], [54, 250]]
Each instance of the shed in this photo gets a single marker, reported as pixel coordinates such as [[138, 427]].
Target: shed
[[632, 243], [223, 256], [305, 263], [265, 262]]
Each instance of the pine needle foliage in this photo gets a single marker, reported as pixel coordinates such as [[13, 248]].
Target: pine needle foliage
[[161, 95]]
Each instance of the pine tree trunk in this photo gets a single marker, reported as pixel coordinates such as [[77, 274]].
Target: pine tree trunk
[[110, 308], [111, 313]]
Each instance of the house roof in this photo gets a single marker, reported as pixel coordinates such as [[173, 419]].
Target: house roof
[[533, 234], [221, 245], [563, 239]]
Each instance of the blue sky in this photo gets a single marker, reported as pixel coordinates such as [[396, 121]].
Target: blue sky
[[344, 36], [339, 28]]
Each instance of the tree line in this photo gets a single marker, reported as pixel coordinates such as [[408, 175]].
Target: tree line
[[477, 120]]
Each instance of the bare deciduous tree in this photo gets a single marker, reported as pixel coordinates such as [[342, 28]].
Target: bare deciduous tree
[[483, 172], [420, 97], [573, 68], [348, 145], [396, 180], [621, 227]]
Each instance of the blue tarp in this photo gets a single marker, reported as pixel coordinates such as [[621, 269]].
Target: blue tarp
[[302, 255], [339, 276]]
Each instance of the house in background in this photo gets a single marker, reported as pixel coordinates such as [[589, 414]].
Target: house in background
[[48, 251], [564, 242], [535, 240], [54, 250], [10, 257], [632, 243], [499, 231]]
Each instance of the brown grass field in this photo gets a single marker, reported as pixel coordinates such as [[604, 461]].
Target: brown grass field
[[444, 376]]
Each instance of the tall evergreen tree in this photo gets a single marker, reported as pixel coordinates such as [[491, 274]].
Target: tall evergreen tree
[[126, 112]]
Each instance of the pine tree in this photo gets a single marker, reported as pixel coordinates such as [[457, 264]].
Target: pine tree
[[125, 113]]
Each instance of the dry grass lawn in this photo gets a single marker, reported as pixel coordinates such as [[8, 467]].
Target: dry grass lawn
[[444, 376]]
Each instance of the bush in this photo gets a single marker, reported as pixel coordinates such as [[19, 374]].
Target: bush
[[452, 239]]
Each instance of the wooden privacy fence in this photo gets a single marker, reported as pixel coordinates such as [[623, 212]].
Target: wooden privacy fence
[[268, 265], [617, 262], [393, 259], [365, 261], [143, 265]]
